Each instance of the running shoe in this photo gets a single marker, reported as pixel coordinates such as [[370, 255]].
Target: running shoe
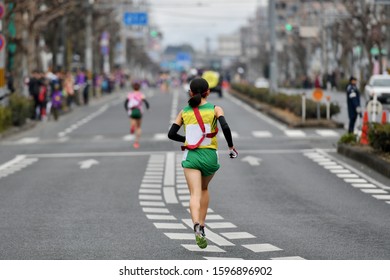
[[136, 145], [200, 236]]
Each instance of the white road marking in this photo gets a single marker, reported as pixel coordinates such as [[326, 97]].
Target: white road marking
[[152, 177], [340, 171], [169, 226], [155, 210], [355, 180], [160, 217], [169, 195], [152, 180], [237, 235], [213, 217], [150, 191], [221, 225], [373, 191], [180, 236], [160, 136], [13, 161], [347, 175], [149, 197], [184, 197], [333, 167], [221, 258], [261, 134], [288, 258], [262, 248], [364, 186], [169, 175], [154, 173], [388, 202], [157, 186], [382, 197], [183, 191], [128, 137], [327, 163], [182, 186], [295, 133], [28, 140], [185, 204], [209, 248], [327, 133], [151, 203]]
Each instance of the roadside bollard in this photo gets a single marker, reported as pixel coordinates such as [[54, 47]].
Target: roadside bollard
[[328, 107], [303, 107]]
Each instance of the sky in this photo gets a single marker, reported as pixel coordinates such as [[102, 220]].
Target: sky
[[192, 21]]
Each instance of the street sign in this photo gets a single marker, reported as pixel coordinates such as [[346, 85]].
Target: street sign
[[317, 94], [135, 18], [374, 107]]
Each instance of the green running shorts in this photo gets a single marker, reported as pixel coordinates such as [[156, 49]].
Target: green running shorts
[[204, 160]]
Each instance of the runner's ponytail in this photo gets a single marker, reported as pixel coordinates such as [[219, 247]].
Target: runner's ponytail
[[195, 100], [199, 87]]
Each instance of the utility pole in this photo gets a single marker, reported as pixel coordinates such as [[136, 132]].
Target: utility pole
[[89, 40], [273, 54]]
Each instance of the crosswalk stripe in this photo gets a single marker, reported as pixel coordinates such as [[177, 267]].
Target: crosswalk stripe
[[373, 191], [150, 191], [161, 136], [184, 197], [366, 186], [28, 140], [149, 197], [327, 133], [155, 210], [347, 175], [221, 258], [237, 235], [355, 180], [151, 203], [340, 171], [288, 258], [262, 248], [183, 191], [261, 134], [160, 217], [209, 248], [157, 186], [221, 225], [169, 225], [182, 186], [295, 133], [180, 236], [214, 217], [382, 197]]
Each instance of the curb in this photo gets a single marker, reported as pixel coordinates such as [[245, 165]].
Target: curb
[[286, 117], [367, 156]]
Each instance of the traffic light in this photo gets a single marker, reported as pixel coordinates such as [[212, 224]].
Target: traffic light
[[153, 33], [288, 27]]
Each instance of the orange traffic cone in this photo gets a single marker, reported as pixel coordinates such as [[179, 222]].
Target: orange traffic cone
[[384, 117], [364, 136]]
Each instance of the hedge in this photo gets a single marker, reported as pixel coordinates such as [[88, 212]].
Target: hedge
[[5, 118], [379, 137], [21, 109], [292, 103]]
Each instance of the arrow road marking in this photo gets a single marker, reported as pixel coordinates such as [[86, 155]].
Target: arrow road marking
[[86, 164], [254, 161]]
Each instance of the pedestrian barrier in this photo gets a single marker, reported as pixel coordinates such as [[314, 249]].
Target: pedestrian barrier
[[364, 136]]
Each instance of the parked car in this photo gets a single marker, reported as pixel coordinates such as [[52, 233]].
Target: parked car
[[380, 86], [261, 83]]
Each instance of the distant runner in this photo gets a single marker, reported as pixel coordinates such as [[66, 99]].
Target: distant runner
[[133, 105], [200, 159]]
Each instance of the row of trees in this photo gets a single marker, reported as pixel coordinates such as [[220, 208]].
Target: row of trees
[[58, 27]]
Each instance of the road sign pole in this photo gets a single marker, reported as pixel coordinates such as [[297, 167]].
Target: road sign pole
[[2, 51]]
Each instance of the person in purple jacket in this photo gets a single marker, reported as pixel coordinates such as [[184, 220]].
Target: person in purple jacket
[[56, 101]]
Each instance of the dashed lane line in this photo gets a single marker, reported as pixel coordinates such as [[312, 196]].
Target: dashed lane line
[[350, 175]]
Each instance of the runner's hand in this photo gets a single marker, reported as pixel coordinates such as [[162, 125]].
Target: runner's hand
[[233, 153]]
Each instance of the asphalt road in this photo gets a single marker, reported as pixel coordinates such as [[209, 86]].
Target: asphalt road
[[77, 189]]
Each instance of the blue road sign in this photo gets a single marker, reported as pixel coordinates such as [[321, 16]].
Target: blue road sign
[[135, 18]]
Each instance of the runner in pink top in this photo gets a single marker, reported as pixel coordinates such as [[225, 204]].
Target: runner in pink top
[[133, 105]]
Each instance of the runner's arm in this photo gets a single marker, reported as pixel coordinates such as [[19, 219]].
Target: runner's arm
[[172, 134], [225, 127], [146, 103], [125, 103]]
